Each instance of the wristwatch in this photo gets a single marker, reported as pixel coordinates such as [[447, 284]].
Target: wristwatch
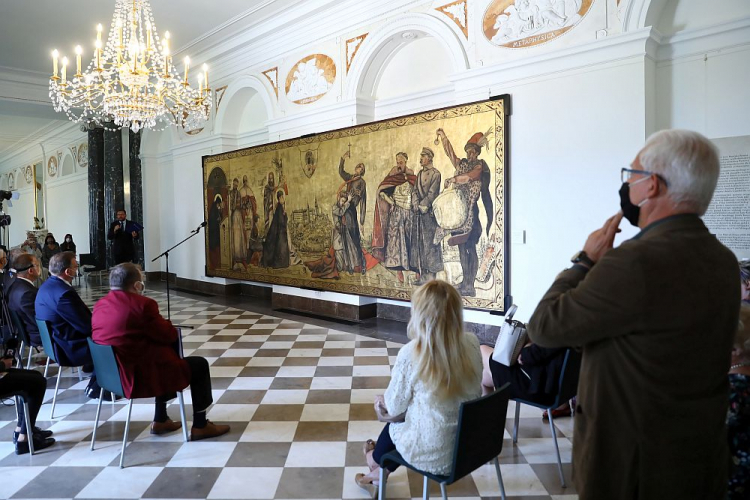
[[582, 258]]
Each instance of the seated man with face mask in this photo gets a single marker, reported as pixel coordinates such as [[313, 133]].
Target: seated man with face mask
[[143, 343]]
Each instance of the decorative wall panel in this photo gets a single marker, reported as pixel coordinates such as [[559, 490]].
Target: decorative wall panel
[[373, 210]]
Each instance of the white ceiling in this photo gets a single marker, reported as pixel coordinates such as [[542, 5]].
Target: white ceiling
[[31, 29]]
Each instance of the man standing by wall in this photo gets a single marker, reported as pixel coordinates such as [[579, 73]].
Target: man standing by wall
[[122, 232], [656, 317]]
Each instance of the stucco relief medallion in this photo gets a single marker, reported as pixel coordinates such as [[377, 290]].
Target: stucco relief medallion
[[524, 23], [83, 155], [11, 181], [310, 79], [29, 174], [52, 166]]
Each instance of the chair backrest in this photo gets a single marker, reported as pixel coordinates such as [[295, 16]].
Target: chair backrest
[[44, 330], [19, 327], [105, 366], [479, 437], [88, 259], [568, 384]]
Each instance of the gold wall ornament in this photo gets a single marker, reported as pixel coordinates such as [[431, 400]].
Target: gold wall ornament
[[52, 165], [352, 46], [220, 95], [272, 75], [335, 221], [83, 155], [458, 12], [310, 79], [524, 23], [29, 174]]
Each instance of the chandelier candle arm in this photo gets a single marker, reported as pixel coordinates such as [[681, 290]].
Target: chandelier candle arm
[[64, 67]]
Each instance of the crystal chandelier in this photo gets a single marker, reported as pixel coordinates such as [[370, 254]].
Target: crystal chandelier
[[131, 82]]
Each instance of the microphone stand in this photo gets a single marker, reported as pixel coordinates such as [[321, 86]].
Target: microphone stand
[[165, 254]]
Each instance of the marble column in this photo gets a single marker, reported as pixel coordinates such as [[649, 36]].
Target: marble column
[[97, 222], [136, 191], [114, 189]]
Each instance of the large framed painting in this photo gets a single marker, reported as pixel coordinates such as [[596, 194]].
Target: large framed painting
[[375, 209]]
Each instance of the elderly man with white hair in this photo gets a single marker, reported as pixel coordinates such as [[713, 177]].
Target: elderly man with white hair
[[655, 318]]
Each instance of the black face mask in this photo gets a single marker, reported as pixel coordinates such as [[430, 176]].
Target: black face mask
[[630, 210]]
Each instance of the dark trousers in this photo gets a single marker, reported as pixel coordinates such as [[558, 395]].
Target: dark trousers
[[31, 386], [520, 382], [384, 445], [200, 385]]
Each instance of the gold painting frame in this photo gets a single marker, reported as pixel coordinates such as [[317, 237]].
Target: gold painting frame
[[278, 213]]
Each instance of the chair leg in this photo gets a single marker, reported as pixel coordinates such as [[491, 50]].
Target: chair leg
[[46, 368], [28, 363], [29, 428], [443, 492], [80, 373], [54, 397], [96, 421], [381, 485], [125, 435], [425, 488], [500, 478], [182, 416], [515, 422], [557, 448], [19, 356]]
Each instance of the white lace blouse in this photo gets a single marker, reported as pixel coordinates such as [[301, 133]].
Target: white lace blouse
[[427, 436]]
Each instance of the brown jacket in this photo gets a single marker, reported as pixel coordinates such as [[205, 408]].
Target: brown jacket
[[656, 318]]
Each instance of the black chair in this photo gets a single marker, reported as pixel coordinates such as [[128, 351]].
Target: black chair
[[89, 265], [567, 389], [24, 336], [479, 439]]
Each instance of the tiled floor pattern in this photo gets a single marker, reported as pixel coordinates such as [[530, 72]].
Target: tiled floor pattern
[[299, 400]]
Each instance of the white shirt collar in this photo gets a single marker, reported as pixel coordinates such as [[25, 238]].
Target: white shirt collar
[[25, 279]]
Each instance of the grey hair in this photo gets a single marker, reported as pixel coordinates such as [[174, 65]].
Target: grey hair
[[124, 275], [688, 161], [59, 262]]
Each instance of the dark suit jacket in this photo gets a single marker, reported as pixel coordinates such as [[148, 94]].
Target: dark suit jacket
[[123, 248], [144, 344], [656, 317], [21, 297], [58, 303]]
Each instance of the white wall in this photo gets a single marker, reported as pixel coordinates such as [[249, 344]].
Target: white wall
[[68, 209], [417, 66]]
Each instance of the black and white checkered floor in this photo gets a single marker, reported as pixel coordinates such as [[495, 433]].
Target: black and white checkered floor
[[299, 399]]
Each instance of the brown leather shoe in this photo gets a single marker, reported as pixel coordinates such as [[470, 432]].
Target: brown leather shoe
[[165, 427], [211, 430]]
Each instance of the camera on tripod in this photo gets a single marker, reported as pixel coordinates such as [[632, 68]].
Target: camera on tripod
[[6, 195]]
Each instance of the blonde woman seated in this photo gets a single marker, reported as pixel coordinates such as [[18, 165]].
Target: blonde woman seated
[[434, 373]]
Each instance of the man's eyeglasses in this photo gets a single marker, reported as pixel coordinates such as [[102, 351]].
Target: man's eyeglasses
[[627, 173]]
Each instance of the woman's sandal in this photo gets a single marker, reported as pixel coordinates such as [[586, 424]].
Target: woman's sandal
[[367, 485]]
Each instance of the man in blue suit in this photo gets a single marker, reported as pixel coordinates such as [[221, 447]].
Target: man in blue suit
[[69, 318]]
